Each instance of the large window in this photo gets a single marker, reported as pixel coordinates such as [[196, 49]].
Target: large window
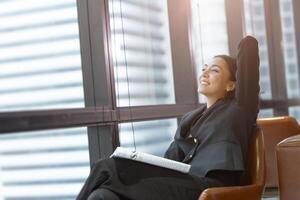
[[272, 23], [40, 56], [132, 64], [40, 68]]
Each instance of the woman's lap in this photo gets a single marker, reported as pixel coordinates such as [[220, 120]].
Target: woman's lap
[[136, 180]]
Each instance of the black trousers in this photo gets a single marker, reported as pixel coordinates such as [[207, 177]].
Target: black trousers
[[131, 180], [103, 194]]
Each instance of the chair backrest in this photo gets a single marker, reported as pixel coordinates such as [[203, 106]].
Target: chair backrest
[[275, 129], [255, 169], [288, 161]]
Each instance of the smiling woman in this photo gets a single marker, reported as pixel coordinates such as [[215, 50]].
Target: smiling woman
[[218, 79], [220, 129]]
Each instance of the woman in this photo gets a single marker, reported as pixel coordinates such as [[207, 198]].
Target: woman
[[213, 139]]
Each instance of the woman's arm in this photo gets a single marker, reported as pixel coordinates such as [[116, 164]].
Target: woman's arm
[[247, 86]]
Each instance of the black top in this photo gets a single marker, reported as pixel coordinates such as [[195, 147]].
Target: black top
[[216, 139]]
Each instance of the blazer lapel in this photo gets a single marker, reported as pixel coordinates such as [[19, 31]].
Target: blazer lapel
[[187, 122], [204, 115]]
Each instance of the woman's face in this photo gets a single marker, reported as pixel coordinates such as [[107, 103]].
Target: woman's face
[[214, 81]]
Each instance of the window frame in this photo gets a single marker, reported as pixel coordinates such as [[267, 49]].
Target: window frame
[[101, 114]]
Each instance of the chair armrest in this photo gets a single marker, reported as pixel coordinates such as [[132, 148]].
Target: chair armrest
[[249, 192]]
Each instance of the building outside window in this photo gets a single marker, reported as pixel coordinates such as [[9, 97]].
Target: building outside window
[[255, 25]]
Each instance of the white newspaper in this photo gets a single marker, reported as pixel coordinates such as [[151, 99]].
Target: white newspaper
[[150, 159]]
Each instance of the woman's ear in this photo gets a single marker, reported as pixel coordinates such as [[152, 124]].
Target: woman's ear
[[230, 86]]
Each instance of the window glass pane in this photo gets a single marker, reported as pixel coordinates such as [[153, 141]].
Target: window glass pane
[[256, 26], [295, 112], [266, 113], [40, 56], [209, 33], [141, 52], [50, 164], [153, 137], [289, 48]]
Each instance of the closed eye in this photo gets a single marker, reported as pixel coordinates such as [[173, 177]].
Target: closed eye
[[204, 67], [215, 68]]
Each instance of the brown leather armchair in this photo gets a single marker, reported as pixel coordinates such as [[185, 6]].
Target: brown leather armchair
[[275, 129], [254, 179], [288, 160]]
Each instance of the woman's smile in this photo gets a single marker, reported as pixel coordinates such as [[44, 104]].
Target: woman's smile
[[204, 82]]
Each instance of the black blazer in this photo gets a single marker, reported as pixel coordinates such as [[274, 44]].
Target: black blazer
[[217, 138]]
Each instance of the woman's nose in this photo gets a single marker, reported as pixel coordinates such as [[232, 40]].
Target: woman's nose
[[204, 73]]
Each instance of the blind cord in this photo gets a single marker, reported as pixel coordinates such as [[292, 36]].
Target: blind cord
[[115, 59], [127, 78]]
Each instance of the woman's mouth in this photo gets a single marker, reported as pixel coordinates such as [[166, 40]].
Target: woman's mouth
[[203, 82]]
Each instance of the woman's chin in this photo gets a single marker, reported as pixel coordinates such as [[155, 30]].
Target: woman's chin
[[202, 91]]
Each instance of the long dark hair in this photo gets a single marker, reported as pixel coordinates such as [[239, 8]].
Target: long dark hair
[[232, 67]]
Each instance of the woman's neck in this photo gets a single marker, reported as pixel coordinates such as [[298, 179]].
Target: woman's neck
[[211, 100]]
